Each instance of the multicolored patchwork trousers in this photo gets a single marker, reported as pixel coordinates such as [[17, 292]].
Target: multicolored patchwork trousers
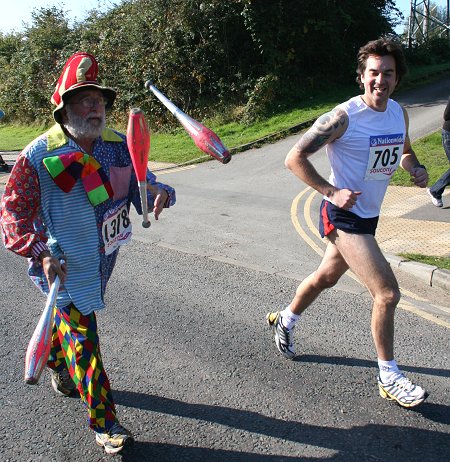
[[75, 346]]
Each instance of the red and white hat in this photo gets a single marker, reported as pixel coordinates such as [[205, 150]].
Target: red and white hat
[[80, 71]]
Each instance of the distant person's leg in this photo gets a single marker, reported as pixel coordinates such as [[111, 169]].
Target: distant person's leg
[[438, 188], [4, 167]]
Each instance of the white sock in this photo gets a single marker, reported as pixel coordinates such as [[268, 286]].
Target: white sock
[[288, 318], [389, 370]]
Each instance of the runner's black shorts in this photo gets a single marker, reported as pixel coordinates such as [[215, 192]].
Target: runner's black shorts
[[332, 217]]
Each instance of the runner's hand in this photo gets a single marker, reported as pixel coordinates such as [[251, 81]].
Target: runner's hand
[[345, 198], [419, 176]]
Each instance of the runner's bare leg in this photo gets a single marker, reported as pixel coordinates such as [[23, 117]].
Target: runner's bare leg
[[365, 259], [330, 270]]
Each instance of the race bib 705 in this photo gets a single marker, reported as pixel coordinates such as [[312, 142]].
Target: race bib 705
[[384, 156]]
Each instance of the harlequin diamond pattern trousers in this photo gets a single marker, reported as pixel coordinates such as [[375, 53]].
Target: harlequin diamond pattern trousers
[[75, 346]]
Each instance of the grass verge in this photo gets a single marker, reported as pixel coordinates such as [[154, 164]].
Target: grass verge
[[430, 153], [177, 147], [440, 262], [16, 137]]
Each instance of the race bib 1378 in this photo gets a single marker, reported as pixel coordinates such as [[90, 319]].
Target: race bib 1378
[[116, 228]]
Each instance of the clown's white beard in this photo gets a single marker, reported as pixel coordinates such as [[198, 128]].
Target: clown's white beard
[[81, 128]]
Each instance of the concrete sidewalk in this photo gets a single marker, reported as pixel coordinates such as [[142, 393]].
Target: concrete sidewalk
[[409, 223]]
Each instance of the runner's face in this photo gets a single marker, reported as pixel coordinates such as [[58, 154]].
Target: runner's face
[[379, 80]]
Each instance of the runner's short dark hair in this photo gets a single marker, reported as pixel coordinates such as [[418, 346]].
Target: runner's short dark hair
[[381, 47]]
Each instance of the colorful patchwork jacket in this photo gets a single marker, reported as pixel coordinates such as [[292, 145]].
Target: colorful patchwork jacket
[[78, 210]]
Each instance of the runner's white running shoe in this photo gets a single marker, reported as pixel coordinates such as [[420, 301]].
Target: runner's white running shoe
[[283, 336], [403, 391]]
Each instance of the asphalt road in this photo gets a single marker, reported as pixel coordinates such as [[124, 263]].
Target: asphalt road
[[193, 367]]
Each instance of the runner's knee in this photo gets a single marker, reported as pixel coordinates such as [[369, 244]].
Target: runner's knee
[[326, 280], [388, 297]]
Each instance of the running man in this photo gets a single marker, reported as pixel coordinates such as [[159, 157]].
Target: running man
[[366, 139]]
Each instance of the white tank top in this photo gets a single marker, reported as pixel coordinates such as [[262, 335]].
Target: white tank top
[[367, 155]]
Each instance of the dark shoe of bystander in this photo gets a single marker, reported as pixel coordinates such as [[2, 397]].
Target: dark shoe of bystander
[[4, 167]]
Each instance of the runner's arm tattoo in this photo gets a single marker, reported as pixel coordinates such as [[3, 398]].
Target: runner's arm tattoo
[[326, 128]]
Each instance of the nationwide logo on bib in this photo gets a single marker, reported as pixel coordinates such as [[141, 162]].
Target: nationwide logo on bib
[[384, 156], [387, 139]]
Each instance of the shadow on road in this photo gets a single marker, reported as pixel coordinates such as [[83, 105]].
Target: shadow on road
[[369, 443], [143, 452], [355, 362]]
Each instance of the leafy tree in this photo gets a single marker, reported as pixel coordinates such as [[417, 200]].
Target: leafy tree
[[30, 59], [205, 55]]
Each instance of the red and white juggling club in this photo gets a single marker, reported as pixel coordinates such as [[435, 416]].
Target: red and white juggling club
[[41, 340], [138, 141], [205, 139]]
